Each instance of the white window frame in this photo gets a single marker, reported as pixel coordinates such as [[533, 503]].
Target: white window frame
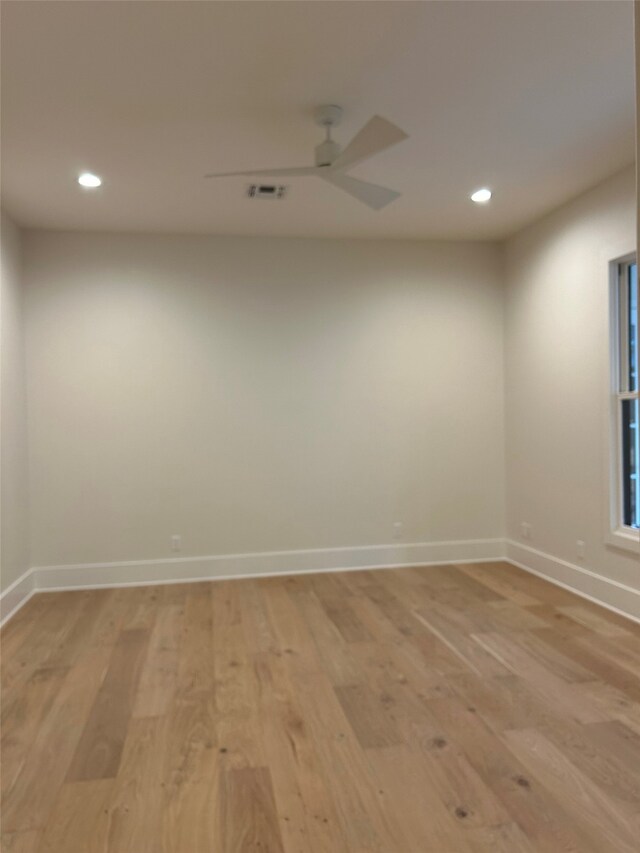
[[618, 534]]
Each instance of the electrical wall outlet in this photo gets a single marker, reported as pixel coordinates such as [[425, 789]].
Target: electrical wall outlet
[[580, 546], [176, 542], [525, 529], [397, 529]]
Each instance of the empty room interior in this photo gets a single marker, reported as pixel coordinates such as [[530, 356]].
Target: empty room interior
[[320, 505]]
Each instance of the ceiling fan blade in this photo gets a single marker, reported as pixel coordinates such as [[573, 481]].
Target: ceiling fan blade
[[370, 194], [377, 135], [274, 173]]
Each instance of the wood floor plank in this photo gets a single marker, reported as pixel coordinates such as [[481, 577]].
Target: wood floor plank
[[561, 623], [401, 617], [140, 608], [619, 741], [597, 621], [248, 818], [438, 578], [507, 616], [190, 756], [510, 703], [22, 719], [385, 664], [337, 658], [466, 795], [54, 623], [27, 803], [580, 797], [255, 620], [407, 789], [367, 715], [493, 576], [65, 652], [551, 658], [603, 756], [481, 592], [528, 802], [613, 703], [550, 687], [538, 588], [291, 630], [174, 593], [21, 625], [507, 838], [603, 662], [380, 628], [19, 842], [308, 819], [365, 824], [79, 818], [159, 675], [345, 619], [444, 709], [110, 620], [473, 656], [622, 651], [135, 800], [195, 670], [236, 684], [100, 747]]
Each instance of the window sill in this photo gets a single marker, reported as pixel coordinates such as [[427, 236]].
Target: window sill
[[626, 538]]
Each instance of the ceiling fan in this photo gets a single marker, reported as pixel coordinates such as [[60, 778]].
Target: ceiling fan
[[332, 163]]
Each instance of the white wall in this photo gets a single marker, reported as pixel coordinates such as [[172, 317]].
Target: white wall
[[260, 394], [557, 359], [14, 546]]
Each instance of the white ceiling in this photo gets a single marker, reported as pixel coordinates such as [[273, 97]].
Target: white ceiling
[[534, 99]]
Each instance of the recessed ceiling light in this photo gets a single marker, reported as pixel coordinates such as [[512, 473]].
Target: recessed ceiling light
[[481, 196], [86, 179]]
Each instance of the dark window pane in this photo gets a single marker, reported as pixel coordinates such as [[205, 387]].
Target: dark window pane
[[631, 463], [632, 330]]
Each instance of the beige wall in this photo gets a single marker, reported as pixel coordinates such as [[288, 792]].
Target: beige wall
[[557, 359], [637, 46], [14, 553], [260, 394]]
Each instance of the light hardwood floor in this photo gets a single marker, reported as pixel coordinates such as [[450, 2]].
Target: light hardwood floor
[[453, 709]]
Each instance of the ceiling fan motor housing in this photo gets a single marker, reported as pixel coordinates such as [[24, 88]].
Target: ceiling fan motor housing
[[327, 152], [328, 115]]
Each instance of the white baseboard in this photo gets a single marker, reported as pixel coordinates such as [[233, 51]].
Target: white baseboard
[[16, 595], [226, 566], [613, 595]]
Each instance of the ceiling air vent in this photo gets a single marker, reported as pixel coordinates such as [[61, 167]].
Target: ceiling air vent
[[266, 191]]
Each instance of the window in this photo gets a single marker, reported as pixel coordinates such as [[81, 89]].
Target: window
[[626, 397]]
